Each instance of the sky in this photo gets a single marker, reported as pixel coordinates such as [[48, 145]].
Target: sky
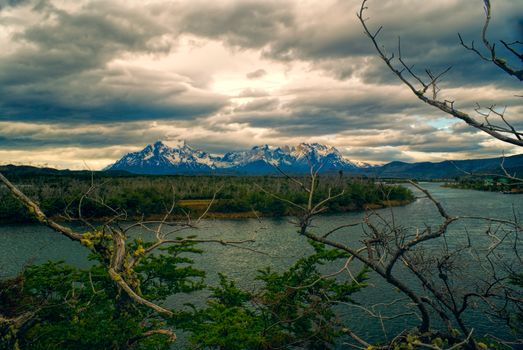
[[83, 82]]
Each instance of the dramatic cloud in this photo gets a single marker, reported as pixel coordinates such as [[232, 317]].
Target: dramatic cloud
[[88, 80], [256, 74]]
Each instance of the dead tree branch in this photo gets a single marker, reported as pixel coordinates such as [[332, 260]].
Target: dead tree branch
[[505, 132]]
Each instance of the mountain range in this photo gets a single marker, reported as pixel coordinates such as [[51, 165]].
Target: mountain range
[[180, 158]]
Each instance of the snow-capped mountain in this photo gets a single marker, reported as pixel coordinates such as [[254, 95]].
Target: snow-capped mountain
[[178, 157], [166, 158], [316, 154], [269, 154]]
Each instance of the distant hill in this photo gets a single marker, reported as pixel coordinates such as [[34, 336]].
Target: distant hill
[[448, 169], [28, 170]]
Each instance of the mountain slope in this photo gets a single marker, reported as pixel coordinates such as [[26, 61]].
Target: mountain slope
[[160, 158], [180, 158], [163, 158], [447, 168], [296, 159]]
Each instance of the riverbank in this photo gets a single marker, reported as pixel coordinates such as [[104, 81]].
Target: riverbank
[[505, 188], [237, 215], [151, 197], [278, 239]]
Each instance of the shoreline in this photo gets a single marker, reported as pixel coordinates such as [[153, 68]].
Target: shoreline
[[482, 189], [226, 216]]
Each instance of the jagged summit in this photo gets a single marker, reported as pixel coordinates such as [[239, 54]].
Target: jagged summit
[[165, 158], [316, 154], [172, 157]]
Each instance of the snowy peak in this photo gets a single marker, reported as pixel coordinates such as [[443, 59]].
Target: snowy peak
[[314, 151], [269, 154], [165, 158], [171, 157], [321, 155], [169, 147]]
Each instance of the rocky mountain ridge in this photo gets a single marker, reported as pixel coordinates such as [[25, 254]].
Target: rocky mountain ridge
[[178, 157]]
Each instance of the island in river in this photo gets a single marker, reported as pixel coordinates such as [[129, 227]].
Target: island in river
[[150, 197]]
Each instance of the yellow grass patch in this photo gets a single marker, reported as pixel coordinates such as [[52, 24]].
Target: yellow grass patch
[[191, 202]]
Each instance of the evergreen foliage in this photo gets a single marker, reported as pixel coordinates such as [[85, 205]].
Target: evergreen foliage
[[152, 195]]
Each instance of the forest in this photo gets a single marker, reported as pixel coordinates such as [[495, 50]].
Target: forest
[[151, 196], [492, 183]]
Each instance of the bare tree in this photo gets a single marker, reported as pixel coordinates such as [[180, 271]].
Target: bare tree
[[442, 289], [111, 241], [490, 119], [492, 55], [386, 247]]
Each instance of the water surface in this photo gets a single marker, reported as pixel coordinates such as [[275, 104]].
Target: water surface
[[24, 244]]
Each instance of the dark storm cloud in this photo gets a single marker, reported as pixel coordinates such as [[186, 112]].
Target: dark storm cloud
[[76, 42], [261, 104], [29, 142], [12, 3], [360, 102], [61, 73], [368, 118], [247, 24], [317, 112], [363, 116], [256, 74], [334, 40], [74, 48], [29, 136], [114, 99], [440, 141], [64, 67]]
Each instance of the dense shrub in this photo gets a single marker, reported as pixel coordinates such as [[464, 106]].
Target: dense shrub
[[153, 195]]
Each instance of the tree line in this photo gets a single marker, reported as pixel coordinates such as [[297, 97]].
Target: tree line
[[151, 195]]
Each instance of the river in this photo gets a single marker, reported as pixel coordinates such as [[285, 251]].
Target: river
[[25, 244]]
